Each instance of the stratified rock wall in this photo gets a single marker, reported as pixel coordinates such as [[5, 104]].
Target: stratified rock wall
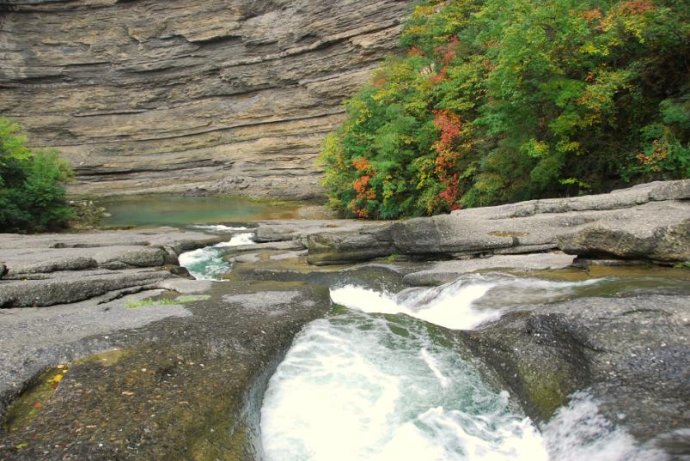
[[175, 95]]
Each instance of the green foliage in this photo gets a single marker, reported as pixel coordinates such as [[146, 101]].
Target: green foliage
[[31, 194], [495, 101]]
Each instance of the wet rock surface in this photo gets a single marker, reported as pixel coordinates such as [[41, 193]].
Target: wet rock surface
[[181, 385], [437, 273], [631, 353]]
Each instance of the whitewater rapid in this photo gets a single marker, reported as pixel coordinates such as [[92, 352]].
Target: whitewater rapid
[[358, 386], [208, 263]]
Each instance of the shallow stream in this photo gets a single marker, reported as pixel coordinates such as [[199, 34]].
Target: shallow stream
[[378, 380]]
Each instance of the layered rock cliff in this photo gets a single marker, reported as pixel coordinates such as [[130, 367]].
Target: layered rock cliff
[[217, 95]]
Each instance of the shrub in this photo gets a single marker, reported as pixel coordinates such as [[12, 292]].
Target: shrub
[[32, 197], [493, 101]]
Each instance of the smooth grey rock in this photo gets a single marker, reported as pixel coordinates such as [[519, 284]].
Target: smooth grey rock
[[643, 222], [298, 230], [74, 286], [447, 271], [347, 247], [124, 257], [668, 243], [631, 353], [185, 286], [48, 269], [288, 255], [246, 258], [269, 246]]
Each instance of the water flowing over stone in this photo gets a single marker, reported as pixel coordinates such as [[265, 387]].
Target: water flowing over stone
[[355, 387], [455, 305], [361, 385], [208, 263]]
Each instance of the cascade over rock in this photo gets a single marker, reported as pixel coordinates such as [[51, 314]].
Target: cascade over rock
[[207, 95]]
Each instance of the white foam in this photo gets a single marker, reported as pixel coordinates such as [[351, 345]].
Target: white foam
[[219, 227], [350, 389], [434, 367], [204, 263], [452, 308], [455, 305], [208, 263], [578, 432], [244, 238]]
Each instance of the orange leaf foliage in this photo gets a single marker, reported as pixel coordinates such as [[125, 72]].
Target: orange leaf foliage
[[636, 7], [361, 164]]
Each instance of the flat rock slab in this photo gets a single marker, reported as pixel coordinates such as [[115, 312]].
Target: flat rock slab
[[185, 386], [32, 338], [447, 271], [299, 230], [74, 286], [650, 221], [48, 269]]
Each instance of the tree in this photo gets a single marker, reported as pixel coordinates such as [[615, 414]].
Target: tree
[[502, 100], [32, 196]]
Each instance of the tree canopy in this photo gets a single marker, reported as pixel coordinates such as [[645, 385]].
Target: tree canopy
[[32, 197], [493, 101]]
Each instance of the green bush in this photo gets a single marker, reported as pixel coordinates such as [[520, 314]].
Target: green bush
[[494, 101], [32, 197]]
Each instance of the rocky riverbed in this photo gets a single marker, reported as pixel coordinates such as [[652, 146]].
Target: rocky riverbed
[[112, 352]]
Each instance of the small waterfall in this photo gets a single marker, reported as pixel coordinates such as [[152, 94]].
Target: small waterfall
[[354, 388], [460, 305], [363, 387], [208, 263]]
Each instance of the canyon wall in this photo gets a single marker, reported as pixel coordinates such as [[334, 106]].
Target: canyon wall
[[230, 96]]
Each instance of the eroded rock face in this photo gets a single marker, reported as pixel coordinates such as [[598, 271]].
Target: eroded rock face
[[217, 95]]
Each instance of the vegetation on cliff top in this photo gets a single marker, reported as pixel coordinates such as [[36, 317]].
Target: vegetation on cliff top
[[32, 197], [496, 101]]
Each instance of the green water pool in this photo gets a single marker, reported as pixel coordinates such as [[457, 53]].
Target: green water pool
[[158, 210]]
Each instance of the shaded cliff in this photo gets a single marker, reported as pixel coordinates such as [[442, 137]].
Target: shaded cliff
[[219, 95]]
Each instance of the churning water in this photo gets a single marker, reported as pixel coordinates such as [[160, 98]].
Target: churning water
[[355, 387], [360, 386], [208, 263]]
